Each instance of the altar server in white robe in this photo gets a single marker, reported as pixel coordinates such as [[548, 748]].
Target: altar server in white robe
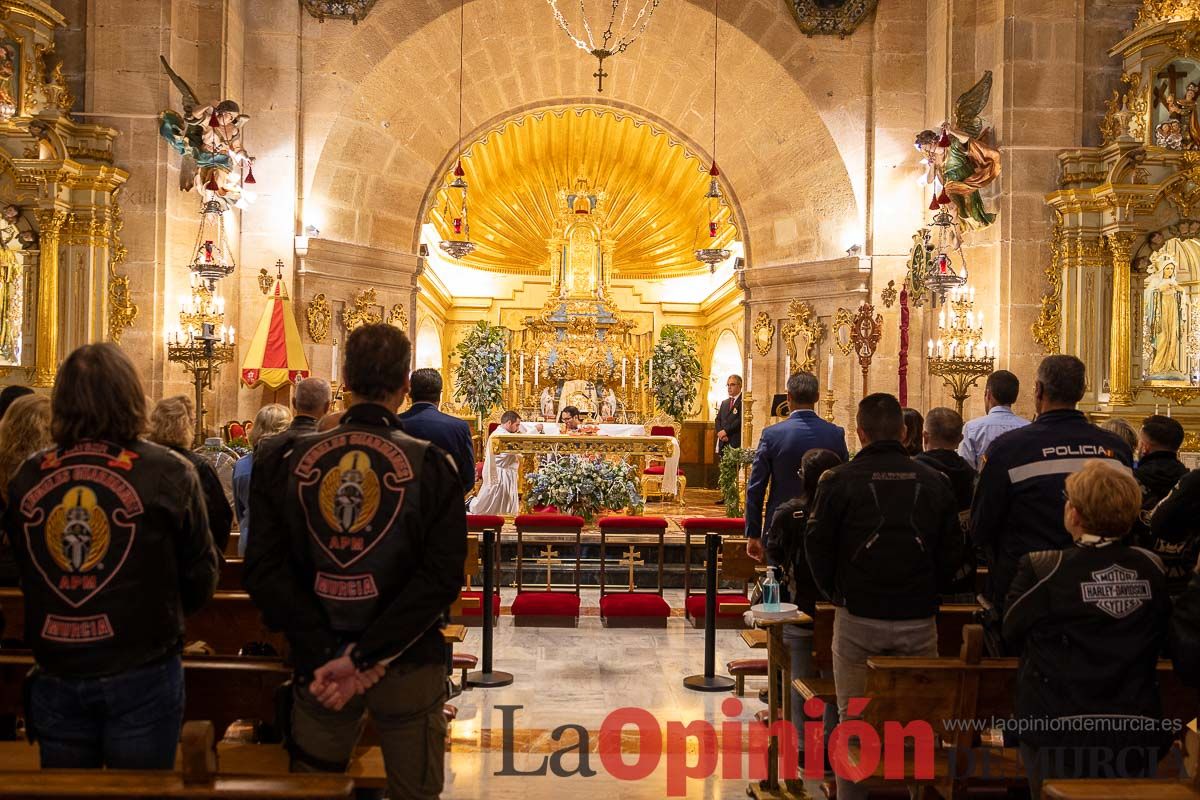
[[498, 492]]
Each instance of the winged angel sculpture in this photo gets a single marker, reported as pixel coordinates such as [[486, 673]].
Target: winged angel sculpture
[[960, 161], [210, 140]]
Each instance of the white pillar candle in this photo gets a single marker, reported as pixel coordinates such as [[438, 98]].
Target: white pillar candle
[[537, 363], [749, 374], [521, 371], [637, 371], [650, 373], [623, 361], [829, 372], [507, 371], [787, 366]]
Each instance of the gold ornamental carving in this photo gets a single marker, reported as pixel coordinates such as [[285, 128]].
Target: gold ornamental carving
[[1126, 112], [50, 225], [319, 318], [889, 294], [398, 317], [764, 333], [265, 281], [801, 334], [365, 312], [122, 311], [1047, 329], [843, 322], [863, 331], [1155, 11], [1120, 361]]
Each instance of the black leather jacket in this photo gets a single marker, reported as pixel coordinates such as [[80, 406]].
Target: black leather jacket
[[1185, 634], [883, 538], [1174, 533], [113, 546], [1018, 506], [220, 513], [1090, 622], [364, 547]]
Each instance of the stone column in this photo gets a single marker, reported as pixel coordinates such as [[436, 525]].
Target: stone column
[[50, 222], [1120, 392]]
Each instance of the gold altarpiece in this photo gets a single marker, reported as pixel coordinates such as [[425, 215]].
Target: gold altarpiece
[[60, 248], [1124, 271], [580, 349]]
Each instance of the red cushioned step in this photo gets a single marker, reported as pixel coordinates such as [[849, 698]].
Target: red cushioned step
[[634, 604], [475, 609], [715, 524], [662, 430], [546, 604], [695, 604], [633, 522], [469, 661], [482, 522], [549, 521], [746, 666]]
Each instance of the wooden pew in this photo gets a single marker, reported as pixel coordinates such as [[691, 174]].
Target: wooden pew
[[950, 622], [967, 687], [195, 777], [230, 579], [227, 622]]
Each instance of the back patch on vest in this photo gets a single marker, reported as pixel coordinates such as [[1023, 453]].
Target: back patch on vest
[[79, 526], [1116, 591], [351, 488]]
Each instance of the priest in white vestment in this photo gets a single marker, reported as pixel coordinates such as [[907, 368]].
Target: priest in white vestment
[[498, 492]]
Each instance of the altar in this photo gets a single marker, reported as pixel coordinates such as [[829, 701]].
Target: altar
[[626, 442]]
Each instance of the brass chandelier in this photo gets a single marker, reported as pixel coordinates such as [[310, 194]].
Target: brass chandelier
[[713, 255], [614, 39], [459, 245]]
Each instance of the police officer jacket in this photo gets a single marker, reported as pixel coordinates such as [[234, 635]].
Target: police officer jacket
[[113, 547], [883, 538], [1174, 534], [1018, 506], [1090, 621], [367, 546]]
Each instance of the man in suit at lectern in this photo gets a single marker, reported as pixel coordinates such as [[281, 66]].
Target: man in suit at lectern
[[775, 475]]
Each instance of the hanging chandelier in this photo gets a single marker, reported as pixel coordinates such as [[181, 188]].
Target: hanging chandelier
[[211, 257], [713, 255], [459, 245], [615, 38], [946, 264]]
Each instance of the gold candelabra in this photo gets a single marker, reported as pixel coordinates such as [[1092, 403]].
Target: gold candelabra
[[960, 356], [201, 343]]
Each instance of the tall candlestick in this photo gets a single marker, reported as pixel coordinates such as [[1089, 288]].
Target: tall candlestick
[[521, 372], [787, 367], [829, 373], [650, 373], [749, 373], [637, 371], [623, 362], [507, 371], [537, 363], [335, 369]]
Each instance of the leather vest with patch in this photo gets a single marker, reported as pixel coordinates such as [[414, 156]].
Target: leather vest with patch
[[356, 491]]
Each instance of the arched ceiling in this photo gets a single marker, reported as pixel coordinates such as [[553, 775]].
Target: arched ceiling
[[654, 190]]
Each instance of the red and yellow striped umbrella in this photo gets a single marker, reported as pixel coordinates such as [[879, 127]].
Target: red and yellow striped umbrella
[[275, 356]]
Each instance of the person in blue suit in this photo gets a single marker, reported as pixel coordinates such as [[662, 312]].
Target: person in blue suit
[[425, 421], [775, 475]]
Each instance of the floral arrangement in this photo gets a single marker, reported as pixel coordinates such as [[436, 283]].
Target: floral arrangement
[[585, 486], [675, 379], [479, 382], [732, 461]]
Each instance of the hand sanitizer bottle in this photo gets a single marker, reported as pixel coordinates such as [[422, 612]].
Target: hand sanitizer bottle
[[770, 592]]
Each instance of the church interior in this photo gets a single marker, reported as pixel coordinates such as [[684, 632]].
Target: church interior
[[608, 206]]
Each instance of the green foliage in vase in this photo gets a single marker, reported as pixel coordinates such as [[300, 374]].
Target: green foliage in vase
[[732, 459]]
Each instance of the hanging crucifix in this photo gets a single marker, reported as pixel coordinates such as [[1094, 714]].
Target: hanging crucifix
[[600, 74]]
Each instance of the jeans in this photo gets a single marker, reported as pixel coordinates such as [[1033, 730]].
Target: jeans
[[126, 721], [855, 639], [407, 709], [799, 641]]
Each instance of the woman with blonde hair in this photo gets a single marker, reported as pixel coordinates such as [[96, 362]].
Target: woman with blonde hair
[[1090, 622], [269, 420], [172, 424], [24, 430]]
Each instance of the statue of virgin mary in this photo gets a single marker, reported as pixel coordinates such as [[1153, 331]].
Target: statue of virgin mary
[[1166, 321]]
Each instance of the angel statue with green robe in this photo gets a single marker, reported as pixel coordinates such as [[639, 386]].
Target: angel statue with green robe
[[959, 158], [209, 138]]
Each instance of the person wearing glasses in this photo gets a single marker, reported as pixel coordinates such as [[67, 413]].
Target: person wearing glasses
[[1089, 622]]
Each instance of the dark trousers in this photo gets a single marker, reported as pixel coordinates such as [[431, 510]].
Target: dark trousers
[[407, 709], [126, 721]]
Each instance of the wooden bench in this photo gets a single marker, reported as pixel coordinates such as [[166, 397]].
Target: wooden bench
[[230, 578], [226, 623], [1119, 789], [969, 687], [950, 622], [195, 777]]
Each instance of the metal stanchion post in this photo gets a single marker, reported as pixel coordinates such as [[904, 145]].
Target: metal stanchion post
[[486, 677], [710, 681]]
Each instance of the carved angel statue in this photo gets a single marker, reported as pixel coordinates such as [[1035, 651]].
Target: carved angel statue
[[1181, 131], [210, 140], [958, 157]]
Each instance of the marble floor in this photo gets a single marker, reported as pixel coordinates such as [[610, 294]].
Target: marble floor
[[578, 677]]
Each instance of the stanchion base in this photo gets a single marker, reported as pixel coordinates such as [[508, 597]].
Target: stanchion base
[[702, 683], [488, 680]]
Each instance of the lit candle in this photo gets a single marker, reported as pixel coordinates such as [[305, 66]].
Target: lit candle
[[749, 374], [829, 373], [980, 320], [521, 373], [637, 371], [623, 362], [942, 319], [537, 363], [931, 348], [336, 366], [507, 371], [231, 336], [787, 366], [650, 372]]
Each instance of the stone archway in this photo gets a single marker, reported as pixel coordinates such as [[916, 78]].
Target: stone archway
[[382, 103]]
